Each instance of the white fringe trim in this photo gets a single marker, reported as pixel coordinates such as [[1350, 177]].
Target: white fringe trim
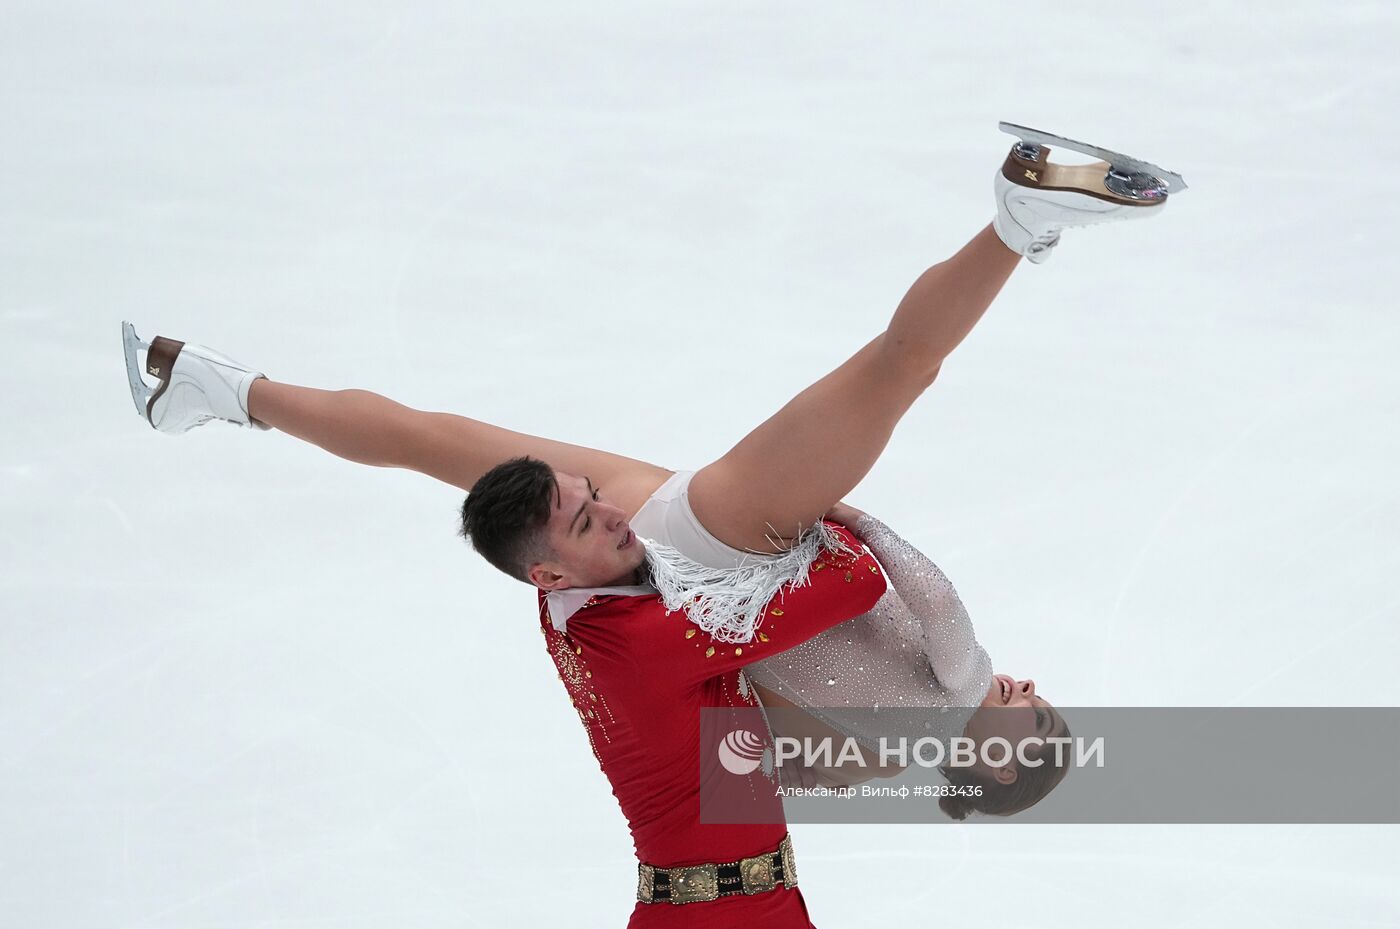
[[730, 603]]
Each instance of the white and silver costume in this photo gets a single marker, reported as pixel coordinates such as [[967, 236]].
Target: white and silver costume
[[916, 648]]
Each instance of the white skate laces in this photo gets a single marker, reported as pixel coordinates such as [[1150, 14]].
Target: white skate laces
[[196, 384], [1037, 199]]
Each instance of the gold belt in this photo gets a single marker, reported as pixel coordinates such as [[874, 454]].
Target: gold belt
[[701, 882]]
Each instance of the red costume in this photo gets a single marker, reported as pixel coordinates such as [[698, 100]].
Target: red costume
[[639, 678]]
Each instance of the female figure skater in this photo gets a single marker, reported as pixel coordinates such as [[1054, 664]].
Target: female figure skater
[[915, 649], [723, 540]]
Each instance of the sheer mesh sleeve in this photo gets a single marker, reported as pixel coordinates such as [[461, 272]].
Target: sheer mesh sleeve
[[949, 642], [914, 649]]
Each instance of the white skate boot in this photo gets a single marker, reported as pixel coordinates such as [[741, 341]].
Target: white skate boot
[[196, 384], [1035, 199]]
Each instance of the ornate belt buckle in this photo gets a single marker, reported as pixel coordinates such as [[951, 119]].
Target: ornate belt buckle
[[696, 884], [646, 882], [757, 874], [789, 862]]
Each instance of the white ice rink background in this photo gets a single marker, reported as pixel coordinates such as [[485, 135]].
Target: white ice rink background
[[243, 684]]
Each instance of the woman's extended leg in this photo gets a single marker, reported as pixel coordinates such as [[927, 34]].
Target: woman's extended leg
[[792, 468], [370, 429], [783, 476]]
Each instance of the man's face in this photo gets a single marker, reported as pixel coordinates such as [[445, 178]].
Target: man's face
[[590, 536]]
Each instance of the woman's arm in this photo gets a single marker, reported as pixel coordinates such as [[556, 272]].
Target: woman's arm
[[950, 642]]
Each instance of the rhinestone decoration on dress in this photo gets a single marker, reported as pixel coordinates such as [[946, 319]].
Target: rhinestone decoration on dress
[[916, 648]]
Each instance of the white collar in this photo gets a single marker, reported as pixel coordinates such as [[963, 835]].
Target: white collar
[[565, 603]]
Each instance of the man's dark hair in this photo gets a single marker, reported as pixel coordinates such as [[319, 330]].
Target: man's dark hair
[[505, 515]]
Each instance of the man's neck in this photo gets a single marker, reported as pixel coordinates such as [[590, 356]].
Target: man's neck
[[640, 577]]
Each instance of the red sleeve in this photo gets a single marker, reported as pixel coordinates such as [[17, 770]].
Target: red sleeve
[[841, 587]]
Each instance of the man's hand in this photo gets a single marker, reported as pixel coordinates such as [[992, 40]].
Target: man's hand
[[845, 515]]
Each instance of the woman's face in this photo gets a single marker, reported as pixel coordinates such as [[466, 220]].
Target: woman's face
[[1015, 712]]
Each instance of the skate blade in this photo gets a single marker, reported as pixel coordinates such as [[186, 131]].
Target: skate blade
[[140, 391], [1173, 181], [160, 364]]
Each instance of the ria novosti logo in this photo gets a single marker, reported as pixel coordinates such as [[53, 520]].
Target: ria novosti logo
[[741, 752]]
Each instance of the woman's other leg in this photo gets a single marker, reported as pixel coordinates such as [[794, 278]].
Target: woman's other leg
[[792, 468]]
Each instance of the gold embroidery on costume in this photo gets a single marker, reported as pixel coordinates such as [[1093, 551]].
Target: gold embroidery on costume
[[578, 682]]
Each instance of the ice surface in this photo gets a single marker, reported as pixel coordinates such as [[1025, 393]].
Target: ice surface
[[245, 684]]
